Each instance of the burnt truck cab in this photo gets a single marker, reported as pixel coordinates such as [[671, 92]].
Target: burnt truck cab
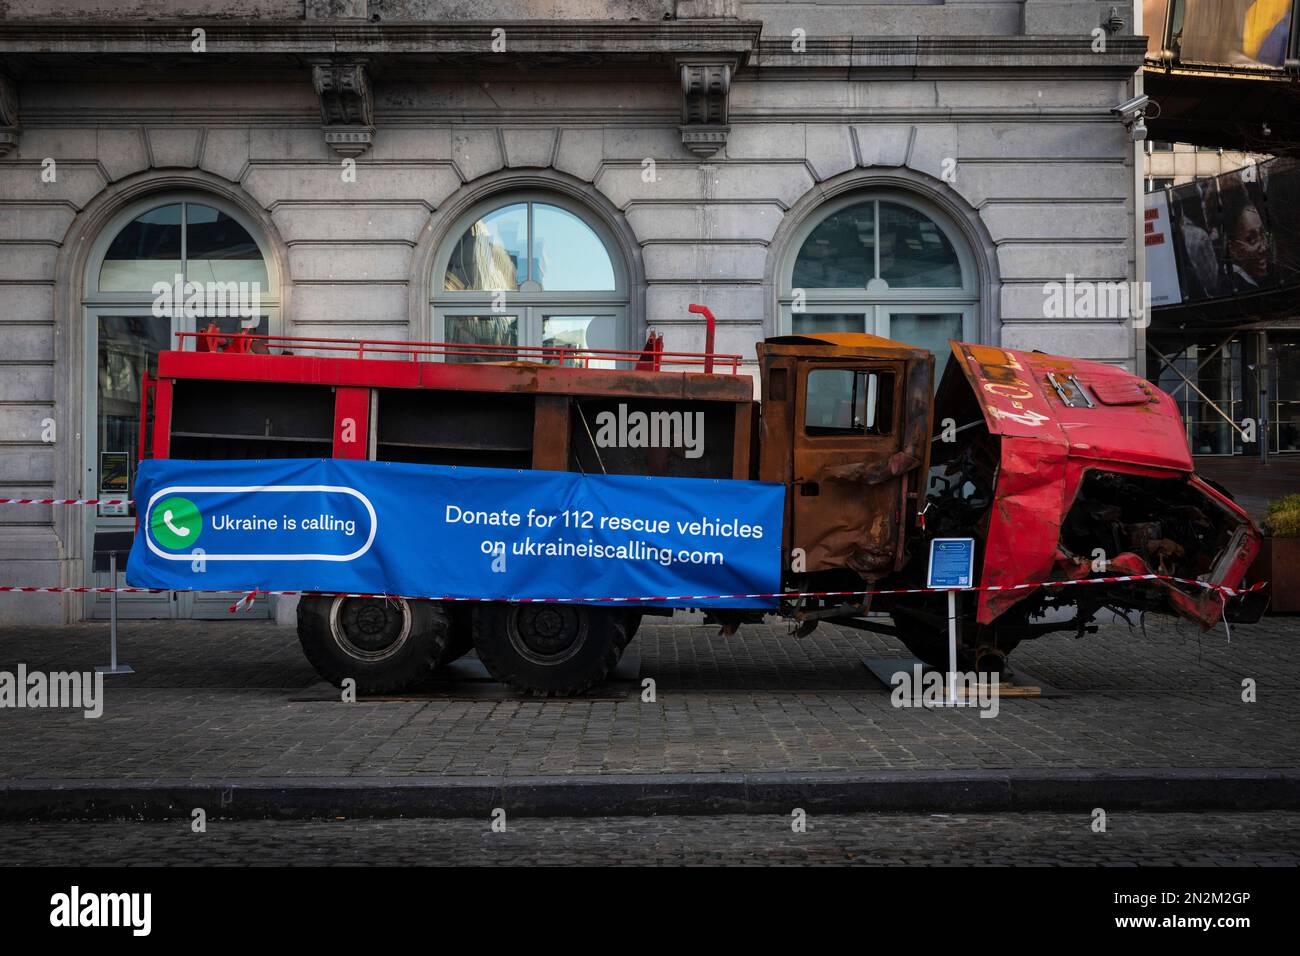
[[1064, 470], [1060, 469], [845, 427]]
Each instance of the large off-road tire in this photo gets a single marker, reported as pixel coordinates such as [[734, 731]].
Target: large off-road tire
[[384, 644], [460, 643], [549, 649], [460, 639]]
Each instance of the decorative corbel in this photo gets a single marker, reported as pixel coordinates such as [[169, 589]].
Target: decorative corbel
[[705, 88], [346, 105], [9, 125]]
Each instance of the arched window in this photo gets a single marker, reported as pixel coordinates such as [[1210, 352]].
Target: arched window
[[885, 264], [176, 263], [530, 270]]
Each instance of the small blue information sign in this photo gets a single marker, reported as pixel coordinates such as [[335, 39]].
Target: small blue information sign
[[952, 563]]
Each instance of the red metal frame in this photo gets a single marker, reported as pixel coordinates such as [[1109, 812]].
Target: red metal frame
[[533, 377], [708, 334], [351, 423], [382, 348], [148, 385], [650, 359], [353, 367], [162, 414]]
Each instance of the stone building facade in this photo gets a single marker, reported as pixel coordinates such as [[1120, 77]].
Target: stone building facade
[[920, 170]]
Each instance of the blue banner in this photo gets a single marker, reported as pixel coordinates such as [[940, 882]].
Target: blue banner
[[438, 531]]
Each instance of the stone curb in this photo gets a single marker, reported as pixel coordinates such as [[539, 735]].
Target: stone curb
[[649, 794]]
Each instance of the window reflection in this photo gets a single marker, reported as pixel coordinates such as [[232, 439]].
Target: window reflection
[[580, 332], [914, 252], [128, 348], [929, 330], [219, 249], [840, 252], [492, 254], [497, 330], [556, 252], [814, 323], [147, 250], [567, 255], [198, 242]]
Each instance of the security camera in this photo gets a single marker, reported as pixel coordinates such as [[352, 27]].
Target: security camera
[[1130, 111]]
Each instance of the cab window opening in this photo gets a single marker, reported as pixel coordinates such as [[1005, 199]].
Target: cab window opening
[[843, 401]]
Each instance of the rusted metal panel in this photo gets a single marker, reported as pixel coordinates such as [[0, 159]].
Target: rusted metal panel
[[665, 438], [842, 345], [551, 433], [162, 418], [775, 416], [743, 462], [847, 500], [846, 489]]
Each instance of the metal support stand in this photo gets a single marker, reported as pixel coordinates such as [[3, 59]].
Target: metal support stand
[[952, 648], [113, 667]]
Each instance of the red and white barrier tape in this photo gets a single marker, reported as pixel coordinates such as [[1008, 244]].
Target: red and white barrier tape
[[248, 596], [67, 501]]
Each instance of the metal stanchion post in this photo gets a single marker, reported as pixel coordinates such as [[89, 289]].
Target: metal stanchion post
[[113, 666], [952, 648]]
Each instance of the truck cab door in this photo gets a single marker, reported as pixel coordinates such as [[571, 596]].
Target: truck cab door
[[847, 501]]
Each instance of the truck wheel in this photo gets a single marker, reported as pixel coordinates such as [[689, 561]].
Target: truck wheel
[[384, 644], [549, 649], [460, 639]]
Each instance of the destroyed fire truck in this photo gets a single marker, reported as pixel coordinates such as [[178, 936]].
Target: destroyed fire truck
[[1061, 470]]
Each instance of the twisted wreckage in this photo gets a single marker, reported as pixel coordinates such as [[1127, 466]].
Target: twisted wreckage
[[1061, 470]]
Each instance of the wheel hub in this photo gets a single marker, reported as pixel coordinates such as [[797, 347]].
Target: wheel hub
[[370, 629], [548, 634]]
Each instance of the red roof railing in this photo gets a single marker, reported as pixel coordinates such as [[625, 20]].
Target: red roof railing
[[631, 359]]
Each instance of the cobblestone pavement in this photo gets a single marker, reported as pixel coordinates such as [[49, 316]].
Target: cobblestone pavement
[[237, 699], [1035, 839]]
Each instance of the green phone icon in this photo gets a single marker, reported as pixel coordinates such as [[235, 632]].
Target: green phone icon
[[176, 523]]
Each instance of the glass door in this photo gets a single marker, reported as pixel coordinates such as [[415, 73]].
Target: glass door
[[569, 328], [822, 319], [149, 274], [473, 327], [126, 343], [930, 327], [572, 331], [124, 347]]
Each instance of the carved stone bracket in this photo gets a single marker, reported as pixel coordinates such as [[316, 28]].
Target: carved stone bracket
[[9, 125], [346, 105], [705, 88]]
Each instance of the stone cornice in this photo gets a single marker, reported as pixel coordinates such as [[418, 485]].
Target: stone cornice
[[740, 38], [351, 37]]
